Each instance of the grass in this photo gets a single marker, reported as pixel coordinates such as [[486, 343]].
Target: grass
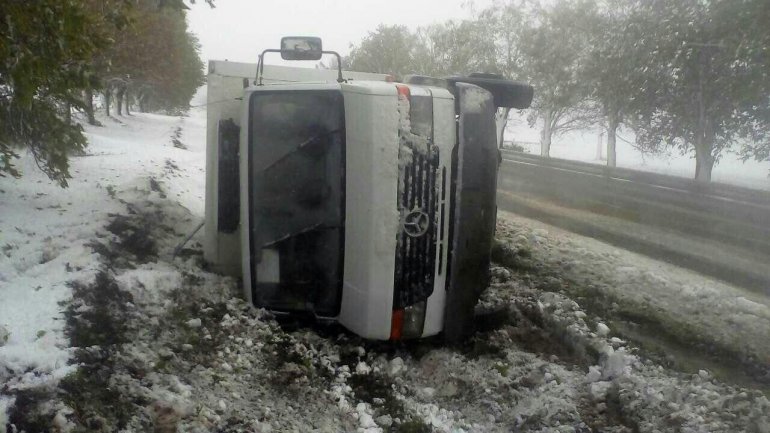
[[98, 332], [412, 426], [104, 322], [135, 243], [29, 412], [186, 307], [97, 404]]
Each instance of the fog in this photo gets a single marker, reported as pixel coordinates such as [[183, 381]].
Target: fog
[[237, 30]]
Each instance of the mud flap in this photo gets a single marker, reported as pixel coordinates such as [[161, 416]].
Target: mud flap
[[472, 229]]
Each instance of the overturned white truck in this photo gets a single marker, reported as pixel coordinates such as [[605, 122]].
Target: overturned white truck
[[346, 196]]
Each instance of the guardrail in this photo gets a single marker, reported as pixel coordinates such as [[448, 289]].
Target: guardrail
[[721, 230]]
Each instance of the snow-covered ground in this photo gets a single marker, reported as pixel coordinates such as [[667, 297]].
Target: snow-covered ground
[[582, 146], [719, 324], [46, 231], [108, 332]]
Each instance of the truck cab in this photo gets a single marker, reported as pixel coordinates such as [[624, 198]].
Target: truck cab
[[354, 198]]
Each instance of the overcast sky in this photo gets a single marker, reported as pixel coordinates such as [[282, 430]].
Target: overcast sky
[[238, 30]]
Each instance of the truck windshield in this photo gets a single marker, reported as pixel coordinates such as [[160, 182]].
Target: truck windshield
[[297, 172]]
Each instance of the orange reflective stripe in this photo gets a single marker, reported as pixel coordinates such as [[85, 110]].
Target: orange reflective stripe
[[396, 324], [403, 91]]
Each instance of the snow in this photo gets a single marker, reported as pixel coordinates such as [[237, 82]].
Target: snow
[[194, 323], [4, 404], [582, 146], [196, 358], [602, 330], [45, 231]]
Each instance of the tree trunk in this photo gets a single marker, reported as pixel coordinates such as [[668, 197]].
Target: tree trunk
[[128, 102], [704, 136], [501, 120], [119, 100], [88, 98], [140, 98], [600, 147], [612, 131], [107, 98], [704, 162], [68, 112], [545, 135]]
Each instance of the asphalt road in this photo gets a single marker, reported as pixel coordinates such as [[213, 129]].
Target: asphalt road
[[720, 231]]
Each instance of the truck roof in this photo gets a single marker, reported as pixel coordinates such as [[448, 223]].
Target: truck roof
[[276, 74]]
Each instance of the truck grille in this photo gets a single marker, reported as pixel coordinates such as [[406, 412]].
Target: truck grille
[[416, 247]]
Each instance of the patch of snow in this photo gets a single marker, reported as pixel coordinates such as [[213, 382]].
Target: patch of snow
[[396, 366], [598, 390], [362, 368], [5, 403], [594, 374], [194, 323], [602, 330]]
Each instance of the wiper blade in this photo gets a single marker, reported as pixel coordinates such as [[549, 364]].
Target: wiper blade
[[301, 146]]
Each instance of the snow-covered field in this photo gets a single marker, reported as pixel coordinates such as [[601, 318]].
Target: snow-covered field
[[108, 332], [582, 146]]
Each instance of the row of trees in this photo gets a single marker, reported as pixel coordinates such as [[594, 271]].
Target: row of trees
[[689, 74], [56, 55]]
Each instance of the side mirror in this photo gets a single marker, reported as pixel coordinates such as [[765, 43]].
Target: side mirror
[[301, 48]]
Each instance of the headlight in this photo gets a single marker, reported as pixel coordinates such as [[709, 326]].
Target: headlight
[[408, 323]]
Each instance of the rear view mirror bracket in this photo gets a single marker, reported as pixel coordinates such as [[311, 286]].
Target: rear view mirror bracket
[[298, 48]]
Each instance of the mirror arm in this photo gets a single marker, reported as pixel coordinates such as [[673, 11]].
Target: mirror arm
[[339, 65], [261, 64]]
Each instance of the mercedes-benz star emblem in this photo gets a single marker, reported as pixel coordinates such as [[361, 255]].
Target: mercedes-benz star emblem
[[416, 223]]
